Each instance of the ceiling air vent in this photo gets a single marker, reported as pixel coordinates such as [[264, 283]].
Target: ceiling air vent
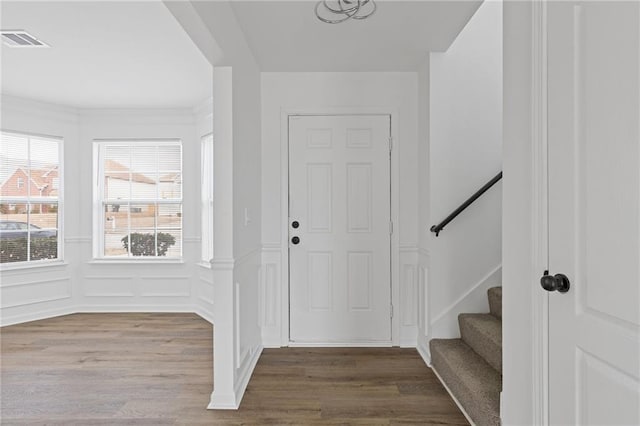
[[19, 38]]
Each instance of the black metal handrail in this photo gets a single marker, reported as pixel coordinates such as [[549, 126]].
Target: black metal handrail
[[437, 228]]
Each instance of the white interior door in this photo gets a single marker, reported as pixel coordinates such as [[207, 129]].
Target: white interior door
[[594, 213], [339, 199]]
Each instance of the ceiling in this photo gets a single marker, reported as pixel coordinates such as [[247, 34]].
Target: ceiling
[[286, 35], [134, 54], [105, 54]]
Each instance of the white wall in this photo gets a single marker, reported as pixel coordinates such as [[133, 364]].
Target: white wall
[[35, 293], [465, 153], [319, 92], [202, 291], [81, 284], [247, 214], [424, 212], [518, 395], [126, 286]]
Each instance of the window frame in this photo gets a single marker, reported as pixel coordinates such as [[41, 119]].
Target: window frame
[[206, 198], [59, 260], [99, 203]]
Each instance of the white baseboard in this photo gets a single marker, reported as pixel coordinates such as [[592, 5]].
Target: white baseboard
[[204, 314], [135, 309], [35, 316], [425, 353], [408, 343], [245, 375], [7, 320], [464, 412], [223, 402], [364, 344], [232, 401]]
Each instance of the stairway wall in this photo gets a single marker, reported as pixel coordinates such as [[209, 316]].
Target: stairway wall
[[423, 207], [445, 325], [465, 141]]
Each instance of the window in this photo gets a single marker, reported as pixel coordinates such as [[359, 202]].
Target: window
[[206, 186], [138, 199], [30, 205]]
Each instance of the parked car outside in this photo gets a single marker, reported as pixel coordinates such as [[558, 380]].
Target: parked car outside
[[13, 230]]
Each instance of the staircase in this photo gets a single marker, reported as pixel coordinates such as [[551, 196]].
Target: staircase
[[471, 367]]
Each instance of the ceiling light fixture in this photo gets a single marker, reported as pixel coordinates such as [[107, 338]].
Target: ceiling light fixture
[[344, 10]]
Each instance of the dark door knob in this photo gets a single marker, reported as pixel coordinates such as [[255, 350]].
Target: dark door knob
[[295, 240], [295, 224], [557, 282]]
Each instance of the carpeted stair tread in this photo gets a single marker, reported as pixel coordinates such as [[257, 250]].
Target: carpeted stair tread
[[495, 301], [470, 378], [483, 333]]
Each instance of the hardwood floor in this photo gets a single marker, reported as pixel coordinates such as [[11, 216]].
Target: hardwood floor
[[156, 369]]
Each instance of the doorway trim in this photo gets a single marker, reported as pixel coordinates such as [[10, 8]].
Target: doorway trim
[[540, 199], [285, 113]]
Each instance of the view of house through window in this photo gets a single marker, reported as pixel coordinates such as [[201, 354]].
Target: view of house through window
[[206, 187], [30, 202], [139, 199]]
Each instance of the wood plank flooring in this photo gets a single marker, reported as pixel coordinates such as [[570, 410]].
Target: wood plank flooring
[[156, 369]]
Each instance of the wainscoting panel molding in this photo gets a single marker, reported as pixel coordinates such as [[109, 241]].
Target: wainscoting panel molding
[[165, 286], [33, 292], [41, 296], [424, 318], [408, 306], [108, 286], [270, 296]]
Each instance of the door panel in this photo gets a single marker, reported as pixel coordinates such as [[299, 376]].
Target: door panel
[[594, 211], [339, 193]]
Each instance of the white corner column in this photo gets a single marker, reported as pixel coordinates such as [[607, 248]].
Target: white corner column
[[224, 306], [224, 334]]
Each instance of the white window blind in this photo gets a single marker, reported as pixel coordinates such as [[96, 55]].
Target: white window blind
[[138, 203], [206, 186], [30, 198]]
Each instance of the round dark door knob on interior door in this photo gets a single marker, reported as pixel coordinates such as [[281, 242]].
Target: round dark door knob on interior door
[[295, 240], [295, 224], [557, 282]]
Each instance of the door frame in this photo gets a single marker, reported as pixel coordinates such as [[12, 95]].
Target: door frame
[[525, 395], [285, 113], [540, 199]]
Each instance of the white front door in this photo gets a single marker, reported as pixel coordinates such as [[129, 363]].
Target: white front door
[[594, 213], [339, 230]]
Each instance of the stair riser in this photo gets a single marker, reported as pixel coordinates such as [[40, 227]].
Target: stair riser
[[495, 302], [467, 398], [471, 367], [489, 350]]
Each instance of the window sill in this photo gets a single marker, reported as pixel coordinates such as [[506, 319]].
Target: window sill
[[20, 266], [135, 261], [203, 264]]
